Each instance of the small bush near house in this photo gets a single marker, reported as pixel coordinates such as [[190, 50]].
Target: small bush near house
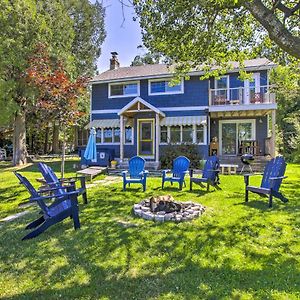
[[170, 152]]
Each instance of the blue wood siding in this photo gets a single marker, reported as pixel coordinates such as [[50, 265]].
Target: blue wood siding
[[195, 94]]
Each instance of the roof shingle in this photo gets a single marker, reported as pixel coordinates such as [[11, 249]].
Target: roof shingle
[[160, 70]]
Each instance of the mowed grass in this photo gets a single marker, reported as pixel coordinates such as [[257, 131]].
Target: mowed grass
[[233, 251]]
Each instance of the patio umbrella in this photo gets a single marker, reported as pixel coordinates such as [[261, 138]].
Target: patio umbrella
[[90, 152]]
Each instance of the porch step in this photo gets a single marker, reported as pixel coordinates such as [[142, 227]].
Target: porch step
[[257, 165]]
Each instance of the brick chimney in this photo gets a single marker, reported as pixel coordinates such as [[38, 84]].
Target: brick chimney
[[114, 63]]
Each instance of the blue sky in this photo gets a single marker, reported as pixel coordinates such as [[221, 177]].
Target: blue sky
[[120, 37]]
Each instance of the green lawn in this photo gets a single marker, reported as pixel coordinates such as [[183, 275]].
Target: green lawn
[[233, 251]]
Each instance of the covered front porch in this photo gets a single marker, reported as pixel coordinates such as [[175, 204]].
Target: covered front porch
[[146, 119]]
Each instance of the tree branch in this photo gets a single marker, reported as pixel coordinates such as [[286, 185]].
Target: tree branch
[[277, 31]]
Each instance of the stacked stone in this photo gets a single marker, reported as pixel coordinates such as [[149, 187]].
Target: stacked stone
[[188, 212]]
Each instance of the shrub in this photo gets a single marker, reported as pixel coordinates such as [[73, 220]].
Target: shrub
[[170, 152]]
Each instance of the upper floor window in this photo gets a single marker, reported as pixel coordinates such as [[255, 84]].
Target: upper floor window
[[125, 89], [164, 86], [222, 83]]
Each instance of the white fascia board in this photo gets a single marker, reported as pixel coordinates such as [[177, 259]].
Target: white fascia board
[[262, 106]]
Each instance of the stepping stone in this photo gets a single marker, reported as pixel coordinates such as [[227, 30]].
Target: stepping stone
[[15, 216]]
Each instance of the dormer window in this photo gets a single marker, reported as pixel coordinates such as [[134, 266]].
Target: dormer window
[[164, 87], [124, 89]]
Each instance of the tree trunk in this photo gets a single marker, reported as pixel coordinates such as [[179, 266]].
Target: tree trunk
[[19, 140], [76, 137], [55, 144], [46, 140], [63, 155], [277, 31]]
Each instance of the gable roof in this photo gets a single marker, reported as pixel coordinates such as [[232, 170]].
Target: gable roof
[[162, 70], [144, 102]]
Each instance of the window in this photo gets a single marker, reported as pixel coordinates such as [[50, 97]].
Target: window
[[187, 134], [107, 135], [175, 134], [158, 87], [112, 135], [117, 135], [222, 83], [128, 135], [163, 134], [183, 134], [124, 89], [98, 135], [200, 134]]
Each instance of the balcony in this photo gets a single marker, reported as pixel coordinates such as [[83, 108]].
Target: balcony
[[241, 96]]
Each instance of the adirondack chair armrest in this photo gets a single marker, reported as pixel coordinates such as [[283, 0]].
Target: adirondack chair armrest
[[124, 173], [278, 178], [166, 171], [60, 197], [52, 189], [185, 172], [145, 172]]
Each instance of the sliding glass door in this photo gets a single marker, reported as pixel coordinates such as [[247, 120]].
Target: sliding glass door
[[233, 132]]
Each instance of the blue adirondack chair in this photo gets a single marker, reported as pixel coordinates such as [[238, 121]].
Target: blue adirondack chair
[[271, 181], [53, 182], [64, 205], [210, 174], [137, 173], [180, 169]]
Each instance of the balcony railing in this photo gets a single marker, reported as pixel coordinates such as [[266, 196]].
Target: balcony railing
[[241, 96]]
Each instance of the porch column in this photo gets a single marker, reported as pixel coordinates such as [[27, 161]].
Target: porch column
[[272, 150], [157, 138], [121, 138]]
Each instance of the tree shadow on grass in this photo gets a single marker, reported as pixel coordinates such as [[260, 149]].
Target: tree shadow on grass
[[177, 264]]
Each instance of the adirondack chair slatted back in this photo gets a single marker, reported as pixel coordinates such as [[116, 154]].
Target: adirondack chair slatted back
[[50, 177], [180, 165], [212, 163], [32, 191], [136, 166], [274, 168]]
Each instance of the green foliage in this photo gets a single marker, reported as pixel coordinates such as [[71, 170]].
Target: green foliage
[[200, 34], [287, 81], [233, 251], [170, 152]]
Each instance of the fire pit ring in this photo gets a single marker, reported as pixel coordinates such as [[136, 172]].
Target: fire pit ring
[[165, 208]]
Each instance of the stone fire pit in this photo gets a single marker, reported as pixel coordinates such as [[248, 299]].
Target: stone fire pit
[[164, 208]]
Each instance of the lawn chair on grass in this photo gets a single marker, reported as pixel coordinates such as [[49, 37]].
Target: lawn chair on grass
[[137, 173], [64, 205], [271, 181], [180, 169], [210, 174], [53, 182]]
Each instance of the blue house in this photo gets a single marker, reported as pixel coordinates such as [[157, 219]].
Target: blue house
[[137, 112]]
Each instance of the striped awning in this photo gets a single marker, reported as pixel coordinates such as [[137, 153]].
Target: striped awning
[[183, 120], [108, 123]]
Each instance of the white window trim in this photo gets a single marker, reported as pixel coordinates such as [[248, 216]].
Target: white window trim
[[115, 143], [124, 96], [228, 85], [194, 135], [166, 93]]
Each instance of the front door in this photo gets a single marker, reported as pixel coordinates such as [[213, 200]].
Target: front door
[[233, 132], [145, 145]]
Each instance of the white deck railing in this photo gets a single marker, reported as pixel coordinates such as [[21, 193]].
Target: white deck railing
[[241, 96]]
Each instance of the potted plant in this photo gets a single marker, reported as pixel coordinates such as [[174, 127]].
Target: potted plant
[[113, 164]]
